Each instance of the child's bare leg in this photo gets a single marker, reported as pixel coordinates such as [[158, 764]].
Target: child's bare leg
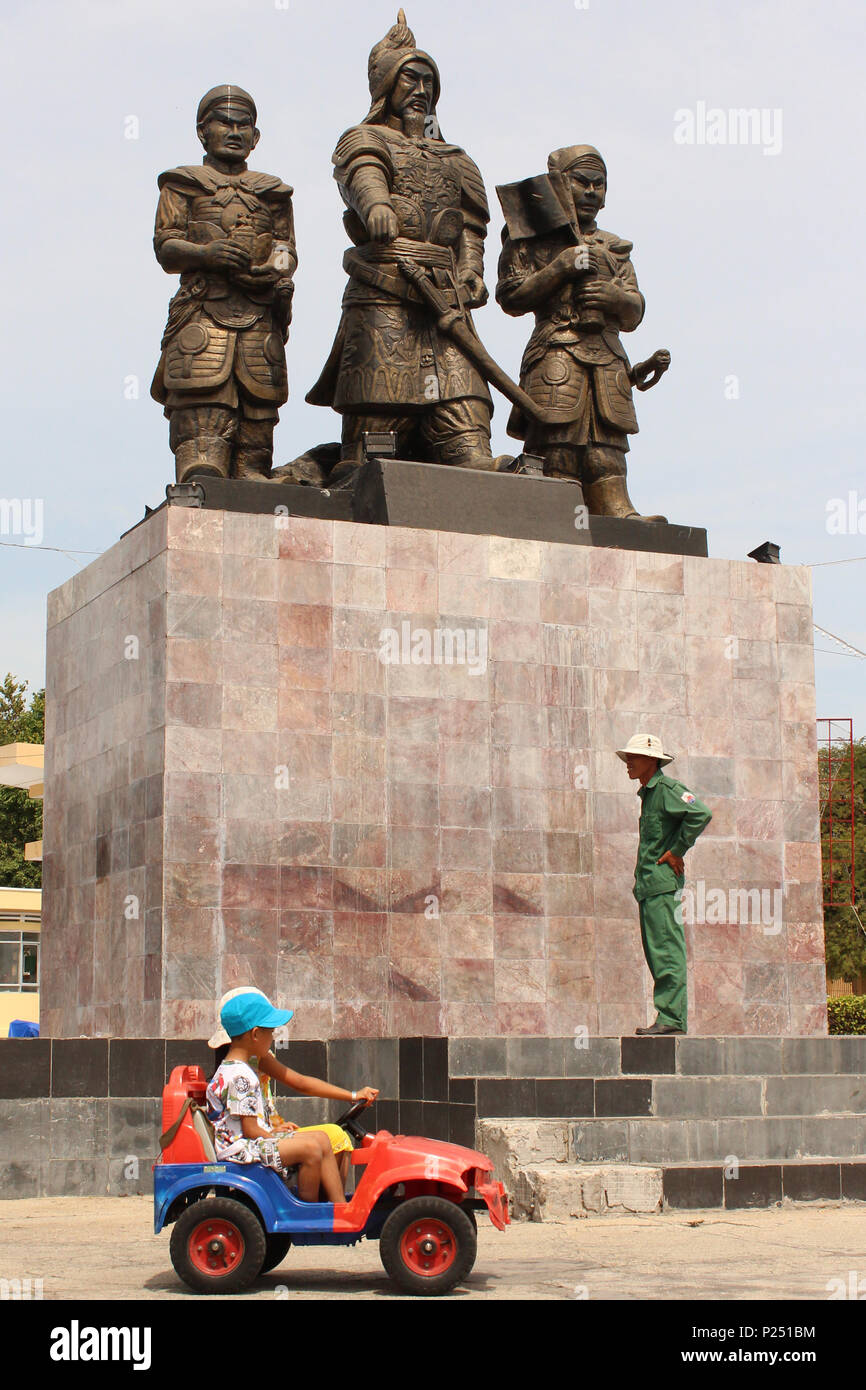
[[330, 1173], [305, 1150], [344, 1164]]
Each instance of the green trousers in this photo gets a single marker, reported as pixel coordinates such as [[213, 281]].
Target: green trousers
[[664, 946]]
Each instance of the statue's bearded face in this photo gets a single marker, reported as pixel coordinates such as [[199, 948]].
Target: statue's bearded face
[[228, 133], [413, 91], [589, 187]]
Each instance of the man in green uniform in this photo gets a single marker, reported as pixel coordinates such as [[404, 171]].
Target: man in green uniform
[[671, 820]]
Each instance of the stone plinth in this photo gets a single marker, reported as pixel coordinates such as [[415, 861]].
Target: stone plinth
[[239, 789], [426, 496]]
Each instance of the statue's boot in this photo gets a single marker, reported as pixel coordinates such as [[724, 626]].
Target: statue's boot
[[609, 497], [253, 466], [253, 450], [205, 456], [560, 460], [469, 449]]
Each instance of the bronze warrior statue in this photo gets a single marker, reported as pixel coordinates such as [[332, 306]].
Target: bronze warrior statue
[[230, 233], [580, 283], [417, 215]]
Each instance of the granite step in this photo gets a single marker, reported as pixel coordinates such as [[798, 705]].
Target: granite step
[[560, 1169], [673, 1097], [559, 1193], [714, 1097], [745, 1138], [584, 1056], [514, 1144]]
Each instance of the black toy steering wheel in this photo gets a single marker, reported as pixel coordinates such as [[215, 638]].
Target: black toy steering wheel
[[348, 1121]]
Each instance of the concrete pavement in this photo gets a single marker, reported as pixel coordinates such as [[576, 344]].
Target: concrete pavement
[[103, 1248]]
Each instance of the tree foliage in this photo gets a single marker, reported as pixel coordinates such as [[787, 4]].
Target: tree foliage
[[847, 1014], [846, 942], [20, 817]]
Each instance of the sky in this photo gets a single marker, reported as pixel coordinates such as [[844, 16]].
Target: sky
[[749, 252]]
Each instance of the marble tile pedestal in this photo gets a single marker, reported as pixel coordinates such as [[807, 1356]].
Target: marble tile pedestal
[[238, 788]]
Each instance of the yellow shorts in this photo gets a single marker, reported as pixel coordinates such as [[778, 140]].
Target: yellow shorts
[[340, 1141]]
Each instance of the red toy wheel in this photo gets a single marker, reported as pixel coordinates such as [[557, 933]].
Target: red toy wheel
[[428, 1245], [218, 1245], [215, 1246]]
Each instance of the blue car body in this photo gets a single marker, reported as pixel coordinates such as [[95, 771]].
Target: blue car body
[[281, 1212]]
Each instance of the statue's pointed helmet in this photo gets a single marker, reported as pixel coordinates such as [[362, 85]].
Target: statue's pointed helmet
[[387, 58]]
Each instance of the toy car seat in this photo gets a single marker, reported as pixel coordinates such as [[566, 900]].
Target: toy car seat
[[187, 1135], [187, 1132]]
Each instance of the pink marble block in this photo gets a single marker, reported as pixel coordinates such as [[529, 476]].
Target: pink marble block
[[372, 771]]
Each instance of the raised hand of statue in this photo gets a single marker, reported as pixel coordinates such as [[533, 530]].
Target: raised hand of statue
[[226, 256], [601, 296], [476, 292], [382, 223], [577, 262]]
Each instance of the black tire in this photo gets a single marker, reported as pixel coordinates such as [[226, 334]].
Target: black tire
[[448, 1228], [235, 1229], [277, 1248]]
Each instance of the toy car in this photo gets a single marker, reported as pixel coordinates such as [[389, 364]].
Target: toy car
[[234, 1221]]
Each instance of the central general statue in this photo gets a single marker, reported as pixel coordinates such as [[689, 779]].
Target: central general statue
[[414, 204]]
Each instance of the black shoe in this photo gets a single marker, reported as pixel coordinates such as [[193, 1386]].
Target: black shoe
[[659, 1030]]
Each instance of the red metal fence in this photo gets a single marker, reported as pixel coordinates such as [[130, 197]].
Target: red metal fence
[[836, 797]]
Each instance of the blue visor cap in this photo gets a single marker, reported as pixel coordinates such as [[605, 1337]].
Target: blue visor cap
[[248, 1011]]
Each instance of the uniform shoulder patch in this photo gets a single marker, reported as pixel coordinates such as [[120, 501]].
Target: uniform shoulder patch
[[687, 796]]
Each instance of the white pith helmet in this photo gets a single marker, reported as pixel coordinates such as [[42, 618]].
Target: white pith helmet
[[646, 746]]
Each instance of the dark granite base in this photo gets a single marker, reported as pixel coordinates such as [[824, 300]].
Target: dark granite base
[[392, 492], [441, 1070], [702, 1186], [82, 1115], [429, 496]]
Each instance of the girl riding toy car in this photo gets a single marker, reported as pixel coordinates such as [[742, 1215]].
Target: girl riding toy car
[[233, 1221]]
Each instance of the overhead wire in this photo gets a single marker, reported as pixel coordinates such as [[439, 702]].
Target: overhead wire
[[849, 649], [61, 550]]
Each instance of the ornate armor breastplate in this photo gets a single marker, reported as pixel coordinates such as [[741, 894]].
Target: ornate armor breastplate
[[426, 193]]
